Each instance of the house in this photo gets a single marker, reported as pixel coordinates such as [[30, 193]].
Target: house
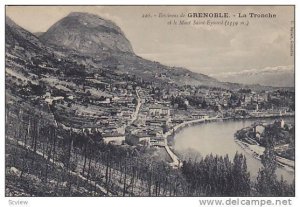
[[70, 97], [57, 99], [155, 132], [116, 112], [131, 105], [186, 102], [157, 141], [259, 129], [200, 116], [139, 138], [173, 92], [158, 110], [116, 139], [127, 114], [157, 122], [280, 123], [106, 101]]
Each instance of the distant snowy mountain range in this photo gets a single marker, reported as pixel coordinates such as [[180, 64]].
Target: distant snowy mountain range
[[278, 76]]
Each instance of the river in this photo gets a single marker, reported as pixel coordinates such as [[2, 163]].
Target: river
[[218, 138]]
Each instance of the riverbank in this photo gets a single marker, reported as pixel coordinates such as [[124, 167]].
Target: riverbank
[[172, 132], [256, 151], [176, 162], [181, 126]]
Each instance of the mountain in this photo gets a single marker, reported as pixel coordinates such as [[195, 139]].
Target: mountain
[[87, 33], [279, 76], [22, 43], [27, 58], [91, 39], [83, 43]]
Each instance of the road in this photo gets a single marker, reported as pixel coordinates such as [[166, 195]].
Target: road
[[175, 160], [137, 109]]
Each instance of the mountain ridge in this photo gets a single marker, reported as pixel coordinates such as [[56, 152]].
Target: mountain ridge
[[87, 33], [116, 57], [124, 62], [276, 76], [16, 35]]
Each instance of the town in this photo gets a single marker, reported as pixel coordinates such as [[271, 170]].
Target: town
[[125, 109]]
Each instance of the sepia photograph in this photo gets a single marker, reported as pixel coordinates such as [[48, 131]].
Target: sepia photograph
[[149, 101]]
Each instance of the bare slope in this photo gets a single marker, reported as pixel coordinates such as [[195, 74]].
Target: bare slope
[[87, 33]]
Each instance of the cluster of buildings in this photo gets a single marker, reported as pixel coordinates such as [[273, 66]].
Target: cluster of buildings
[[110, 105]]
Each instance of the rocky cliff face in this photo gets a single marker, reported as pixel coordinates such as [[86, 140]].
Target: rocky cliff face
[[87, 33]]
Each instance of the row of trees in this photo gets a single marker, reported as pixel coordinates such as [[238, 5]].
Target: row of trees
[[218, 176]]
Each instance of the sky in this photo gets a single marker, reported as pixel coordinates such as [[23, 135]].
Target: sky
[[212, 50]]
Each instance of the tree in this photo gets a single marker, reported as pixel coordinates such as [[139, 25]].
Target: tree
[[135, 101], [217, 176], [266, 180], [241, 181]]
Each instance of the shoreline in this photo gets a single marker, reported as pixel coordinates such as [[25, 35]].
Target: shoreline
[[255, 152], [177, 128]]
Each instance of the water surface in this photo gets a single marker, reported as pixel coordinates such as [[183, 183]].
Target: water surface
[[218, 138]]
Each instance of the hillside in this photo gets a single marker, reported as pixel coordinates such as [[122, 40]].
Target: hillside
[[105, 45], [22, 43]]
